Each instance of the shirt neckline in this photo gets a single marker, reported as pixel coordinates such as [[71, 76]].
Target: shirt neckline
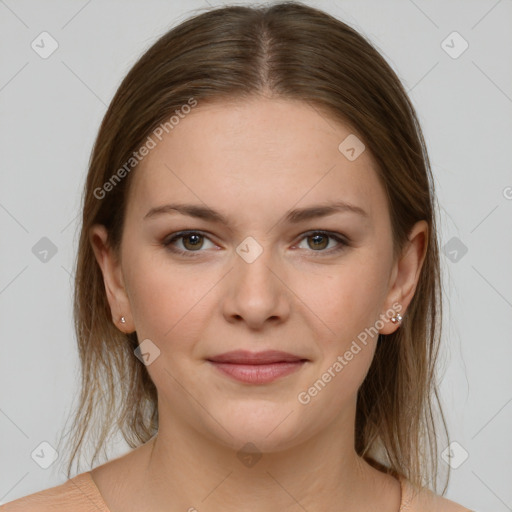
[[92, 491], [404, 495]]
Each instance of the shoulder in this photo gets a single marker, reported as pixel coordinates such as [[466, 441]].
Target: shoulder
[[78, 494], [424, 500]]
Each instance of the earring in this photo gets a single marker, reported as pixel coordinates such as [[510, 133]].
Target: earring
[[397, 318], [123, 320]]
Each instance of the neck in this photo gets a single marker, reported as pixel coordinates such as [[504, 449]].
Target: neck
[[192, 472]]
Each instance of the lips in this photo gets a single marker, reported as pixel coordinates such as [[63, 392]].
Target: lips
[[257, 367], [255, 358]]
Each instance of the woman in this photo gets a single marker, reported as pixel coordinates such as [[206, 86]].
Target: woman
[[258, 278]]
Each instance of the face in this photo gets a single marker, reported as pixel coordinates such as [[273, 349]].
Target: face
[[257, 278]]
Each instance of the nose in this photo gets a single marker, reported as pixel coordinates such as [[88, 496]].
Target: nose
[[256, 292]]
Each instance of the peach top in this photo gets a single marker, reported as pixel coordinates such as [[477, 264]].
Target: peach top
[[80, 494]]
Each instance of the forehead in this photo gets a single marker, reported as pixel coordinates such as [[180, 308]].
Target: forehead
[[246, 154]]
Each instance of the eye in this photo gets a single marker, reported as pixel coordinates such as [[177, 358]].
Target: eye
[[320, 240], [192, 241]]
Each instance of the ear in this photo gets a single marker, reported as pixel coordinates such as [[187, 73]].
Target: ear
[[405, 275], [112, 277]]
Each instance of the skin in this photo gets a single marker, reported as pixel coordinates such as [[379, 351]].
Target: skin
[[253, 161]]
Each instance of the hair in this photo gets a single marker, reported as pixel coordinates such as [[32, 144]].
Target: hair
[[287, 51]]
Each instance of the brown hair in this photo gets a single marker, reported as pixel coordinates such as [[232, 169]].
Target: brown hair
[[286, 50]]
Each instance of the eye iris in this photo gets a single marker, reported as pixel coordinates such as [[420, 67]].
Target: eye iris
[[195, 244], [318, 244]]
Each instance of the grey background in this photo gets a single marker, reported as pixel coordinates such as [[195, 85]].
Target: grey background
[[51, 110]]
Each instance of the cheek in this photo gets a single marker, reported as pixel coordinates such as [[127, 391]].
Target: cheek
[[348, 302], [165, 298], [345, 299]]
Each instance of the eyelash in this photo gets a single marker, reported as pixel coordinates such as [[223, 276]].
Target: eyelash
[[343, 242]]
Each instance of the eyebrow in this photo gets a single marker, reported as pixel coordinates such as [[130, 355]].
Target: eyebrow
[[293, 216]]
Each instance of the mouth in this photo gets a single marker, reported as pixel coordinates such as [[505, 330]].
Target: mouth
[[257, 367]]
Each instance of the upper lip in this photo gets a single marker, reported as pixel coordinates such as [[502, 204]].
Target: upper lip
[[246, 357]]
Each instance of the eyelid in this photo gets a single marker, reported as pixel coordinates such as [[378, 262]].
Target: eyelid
[[342, 240], [168, 241]]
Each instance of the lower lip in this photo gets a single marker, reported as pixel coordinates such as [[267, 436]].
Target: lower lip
[[258, 373]]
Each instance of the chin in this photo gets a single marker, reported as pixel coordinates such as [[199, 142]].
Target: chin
[[259, 426]]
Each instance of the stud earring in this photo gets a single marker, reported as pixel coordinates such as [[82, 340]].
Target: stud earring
[[123, 320], [397, 319]]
